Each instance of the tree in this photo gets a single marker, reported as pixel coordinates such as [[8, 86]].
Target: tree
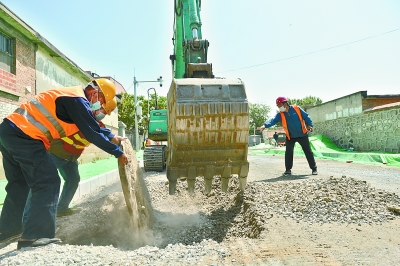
[[258, 114], [306, 102], [126, 110]]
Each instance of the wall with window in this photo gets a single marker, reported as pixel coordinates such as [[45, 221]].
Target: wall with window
[[7, 52], [29, 64], [17, 70]]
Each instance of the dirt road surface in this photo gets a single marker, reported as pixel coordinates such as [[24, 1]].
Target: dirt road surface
[[346, 215]]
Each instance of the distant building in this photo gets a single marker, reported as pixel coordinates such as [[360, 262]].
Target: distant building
[[360, 121], [349, 105]]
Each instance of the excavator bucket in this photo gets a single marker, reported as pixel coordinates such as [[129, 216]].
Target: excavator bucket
[[208, 128]]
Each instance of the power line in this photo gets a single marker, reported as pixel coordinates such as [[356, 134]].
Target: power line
[[314, 52]]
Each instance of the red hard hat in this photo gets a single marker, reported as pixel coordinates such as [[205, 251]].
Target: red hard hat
[[280, 100]]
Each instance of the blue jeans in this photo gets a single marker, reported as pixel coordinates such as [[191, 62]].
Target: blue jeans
[[70, 174], [27, 166]]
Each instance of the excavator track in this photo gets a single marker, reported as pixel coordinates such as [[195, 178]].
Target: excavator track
[[154, 158]]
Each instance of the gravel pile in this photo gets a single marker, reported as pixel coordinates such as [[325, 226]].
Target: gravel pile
[[223, 216], [202, 253], [191, 230], [343, 200]]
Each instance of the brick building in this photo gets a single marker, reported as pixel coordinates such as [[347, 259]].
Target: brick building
[[29, 64]]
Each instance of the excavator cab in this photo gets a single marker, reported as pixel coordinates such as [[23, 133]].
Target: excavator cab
[[154, 156], [158, 125]]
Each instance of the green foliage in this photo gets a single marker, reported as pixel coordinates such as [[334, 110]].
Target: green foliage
[[258, 114], [126, 110], [307, 101]]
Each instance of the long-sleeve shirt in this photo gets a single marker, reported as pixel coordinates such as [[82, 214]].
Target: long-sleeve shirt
[[77, 110], [292, 120]]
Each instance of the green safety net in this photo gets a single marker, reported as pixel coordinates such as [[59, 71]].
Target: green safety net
[[324, 148]]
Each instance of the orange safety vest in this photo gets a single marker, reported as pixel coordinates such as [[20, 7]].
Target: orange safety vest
[[148, 142], [302, 122], [37, 118]]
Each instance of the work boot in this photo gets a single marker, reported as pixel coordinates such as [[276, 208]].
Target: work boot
[[36, 242], [314, 171], [287, 172], [68, 212]]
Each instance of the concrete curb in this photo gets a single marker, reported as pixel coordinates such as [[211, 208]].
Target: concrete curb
[[94, 183]]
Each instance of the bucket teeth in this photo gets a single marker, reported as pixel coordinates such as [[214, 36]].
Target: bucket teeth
[[208, 177], [224, 184], [226, 174], [207, 185], [172, 187], [242, 183], [190, 183]]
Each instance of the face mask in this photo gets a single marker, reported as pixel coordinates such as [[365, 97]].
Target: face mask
[[100, 116], [95, 106], [282, 109]]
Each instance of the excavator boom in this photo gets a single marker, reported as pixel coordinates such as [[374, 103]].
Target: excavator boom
[[208, 117]]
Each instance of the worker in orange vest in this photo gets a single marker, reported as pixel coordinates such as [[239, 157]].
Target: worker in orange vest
[[26, 136], [296, 123], [66, 162]]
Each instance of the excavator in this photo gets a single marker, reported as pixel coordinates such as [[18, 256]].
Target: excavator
[[207, 117]]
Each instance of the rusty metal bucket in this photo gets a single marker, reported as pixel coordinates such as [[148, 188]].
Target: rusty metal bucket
[[208, 128]]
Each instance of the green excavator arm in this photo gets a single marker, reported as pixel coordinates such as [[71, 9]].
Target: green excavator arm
[[190, 50], [207, 117]]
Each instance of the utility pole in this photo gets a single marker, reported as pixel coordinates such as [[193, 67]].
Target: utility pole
[[135, 82]]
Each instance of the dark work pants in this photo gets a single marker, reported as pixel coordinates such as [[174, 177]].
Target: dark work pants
[[27, 165], [305, 145], [70, 174]]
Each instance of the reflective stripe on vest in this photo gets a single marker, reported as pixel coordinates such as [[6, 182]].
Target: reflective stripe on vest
[[81, 139], [302, 122], [33, 121], [71, 142], [49, 117], [78, 138], [38, 119]]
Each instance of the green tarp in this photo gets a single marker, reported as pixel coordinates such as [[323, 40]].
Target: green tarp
[[324, 148]]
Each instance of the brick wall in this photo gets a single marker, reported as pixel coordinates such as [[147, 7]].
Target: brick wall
[[25, 70], [8, 80], [13, 90], [368, 103]]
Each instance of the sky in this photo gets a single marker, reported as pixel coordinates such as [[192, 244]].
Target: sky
[[293, 48]]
